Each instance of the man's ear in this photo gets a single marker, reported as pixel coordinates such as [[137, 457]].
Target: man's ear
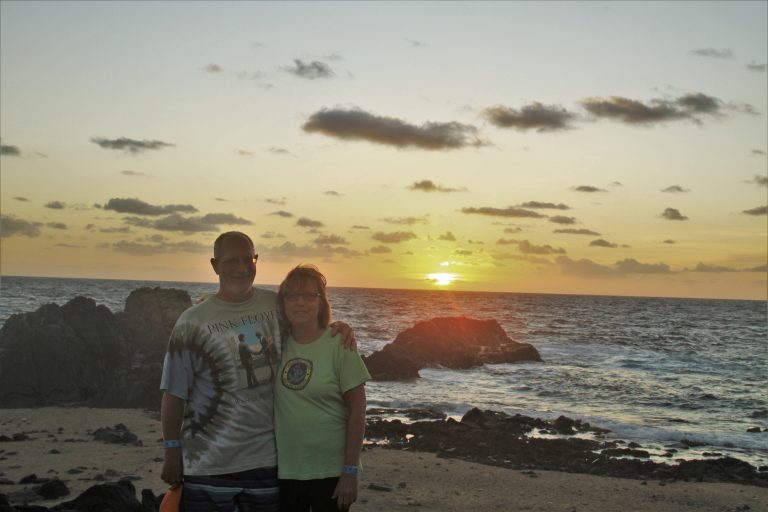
[[213, 264]]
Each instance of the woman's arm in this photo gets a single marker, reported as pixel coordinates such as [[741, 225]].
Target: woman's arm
[[346, 489]]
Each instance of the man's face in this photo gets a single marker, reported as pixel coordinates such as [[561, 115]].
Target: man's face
[[236, 268]]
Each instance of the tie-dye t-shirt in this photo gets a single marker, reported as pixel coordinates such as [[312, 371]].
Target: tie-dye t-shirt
[[221, 359]]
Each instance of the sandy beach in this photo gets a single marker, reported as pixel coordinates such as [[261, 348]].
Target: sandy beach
[[61, 445]]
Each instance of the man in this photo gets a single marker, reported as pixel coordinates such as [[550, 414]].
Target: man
[[218, 431]]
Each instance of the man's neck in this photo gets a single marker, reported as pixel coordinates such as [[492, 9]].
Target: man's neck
[[234, 299]]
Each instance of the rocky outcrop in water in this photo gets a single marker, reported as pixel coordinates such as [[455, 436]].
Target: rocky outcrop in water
[[83, 354], [450, 342]]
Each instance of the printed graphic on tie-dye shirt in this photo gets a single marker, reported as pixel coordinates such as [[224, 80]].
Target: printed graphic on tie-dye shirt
[[254, 348]]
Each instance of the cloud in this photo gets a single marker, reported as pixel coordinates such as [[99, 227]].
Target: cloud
[[7, 150], [379, 249], [56, 225], [668, 241], [132, 173], [358, 226], [542, 118], [139, 207], [577, 232], [242, 152], [702, 267], [415, 43], [130, 145], [562, 219], [588, 268], [282, 213], [331, 240], [759, 152], [139, 248], [332, 193], [759, 210], [225, 218], [759, 68], [502, 212], [272, 234], [527, 247], [632, 266], [405, 221], [22, 199], [429, 186], [291, 250], [360, 125], [280, 201], [759, 268], [213, 68], [673, 214], [278, 151], [760, 181], [723, 53], [13, 226], [447, 237], [635, 112], [310, 71], [515, 229], [309, 223], [542, 205], [675, 189], [176, 222], [121, 230], [603, 243], [55, 205], [588, 189], [394, 237]]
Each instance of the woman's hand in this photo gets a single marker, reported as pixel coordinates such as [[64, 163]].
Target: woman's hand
[[345, 493], [347, 336]]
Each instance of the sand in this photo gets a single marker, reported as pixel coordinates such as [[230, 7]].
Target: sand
[[392, 480]]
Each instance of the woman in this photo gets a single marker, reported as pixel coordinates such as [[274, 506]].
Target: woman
[[319, 402]]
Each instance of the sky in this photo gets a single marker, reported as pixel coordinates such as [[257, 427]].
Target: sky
[[612, 148]]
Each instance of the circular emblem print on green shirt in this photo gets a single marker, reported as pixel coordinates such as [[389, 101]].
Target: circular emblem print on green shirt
[[296, 373]]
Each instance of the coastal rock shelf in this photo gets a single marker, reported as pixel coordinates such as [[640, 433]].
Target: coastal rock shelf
[[83, 354], [498, 439], [450, 342]]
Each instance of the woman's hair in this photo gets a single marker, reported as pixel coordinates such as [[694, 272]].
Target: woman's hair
[[300, 277]]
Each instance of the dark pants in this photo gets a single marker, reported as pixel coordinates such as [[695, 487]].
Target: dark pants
[[306, 495], [248, 491]]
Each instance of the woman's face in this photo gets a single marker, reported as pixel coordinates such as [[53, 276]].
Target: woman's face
[[301, 304]]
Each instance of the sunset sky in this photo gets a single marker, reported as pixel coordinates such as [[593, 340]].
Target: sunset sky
[[611, 148]]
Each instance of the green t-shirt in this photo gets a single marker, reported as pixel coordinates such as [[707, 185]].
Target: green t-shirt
[[310, 414]]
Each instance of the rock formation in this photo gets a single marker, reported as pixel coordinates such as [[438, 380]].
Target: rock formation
[[452, 342], [83, 354]]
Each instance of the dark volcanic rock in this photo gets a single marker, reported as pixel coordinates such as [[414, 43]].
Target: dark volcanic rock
[[119, 497], [495, 438], [53, 489], [451, 342], [82, 354], [119, 434]]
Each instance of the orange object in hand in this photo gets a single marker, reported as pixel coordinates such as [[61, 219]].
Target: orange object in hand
[[172, 500]]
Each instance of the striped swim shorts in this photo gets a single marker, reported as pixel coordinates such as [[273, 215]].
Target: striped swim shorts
[[255, 490]]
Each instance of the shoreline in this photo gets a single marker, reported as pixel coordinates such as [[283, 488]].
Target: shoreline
[[60, 444]]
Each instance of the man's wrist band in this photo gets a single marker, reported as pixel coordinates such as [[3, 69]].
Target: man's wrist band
[[351, 470], [171, 443]]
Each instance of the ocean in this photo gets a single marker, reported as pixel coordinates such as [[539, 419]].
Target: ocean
[[656, 371]]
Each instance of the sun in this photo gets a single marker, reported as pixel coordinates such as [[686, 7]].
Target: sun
[[442, 278]]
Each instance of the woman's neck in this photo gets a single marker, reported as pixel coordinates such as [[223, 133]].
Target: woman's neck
[[304, 334]]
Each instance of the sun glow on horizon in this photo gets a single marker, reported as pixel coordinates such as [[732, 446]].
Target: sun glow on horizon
[[442, 278]]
